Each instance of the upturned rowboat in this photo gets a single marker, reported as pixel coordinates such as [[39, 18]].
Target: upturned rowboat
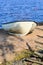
[[20, 16]]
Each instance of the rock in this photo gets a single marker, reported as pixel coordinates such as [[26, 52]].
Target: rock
[[11, 46], [35, 64]]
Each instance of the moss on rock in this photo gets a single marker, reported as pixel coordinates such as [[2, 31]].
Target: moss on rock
[[19, 56], [23, 54]]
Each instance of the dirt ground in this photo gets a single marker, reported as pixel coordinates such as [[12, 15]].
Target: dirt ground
[[9, 44]]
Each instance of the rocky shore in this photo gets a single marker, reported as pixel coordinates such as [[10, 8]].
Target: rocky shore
[[22, 50]]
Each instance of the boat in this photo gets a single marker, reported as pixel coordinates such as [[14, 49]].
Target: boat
[[20, 16]]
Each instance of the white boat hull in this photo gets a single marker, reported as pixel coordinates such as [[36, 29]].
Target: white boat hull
[[20, 28]]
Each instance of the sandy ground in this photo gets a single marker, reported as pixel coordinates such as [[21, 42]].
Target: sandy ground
[[10, 44]]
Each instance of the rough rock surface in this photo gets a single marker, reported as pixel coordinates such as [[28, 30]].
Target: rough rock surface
[[10, 44]]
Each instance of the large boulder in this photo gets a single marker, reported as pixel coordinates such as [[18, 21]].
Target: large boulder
[[14, 48]]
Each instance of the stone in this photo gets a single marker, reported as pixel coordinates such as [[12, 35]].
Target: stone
[[11, 46]]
